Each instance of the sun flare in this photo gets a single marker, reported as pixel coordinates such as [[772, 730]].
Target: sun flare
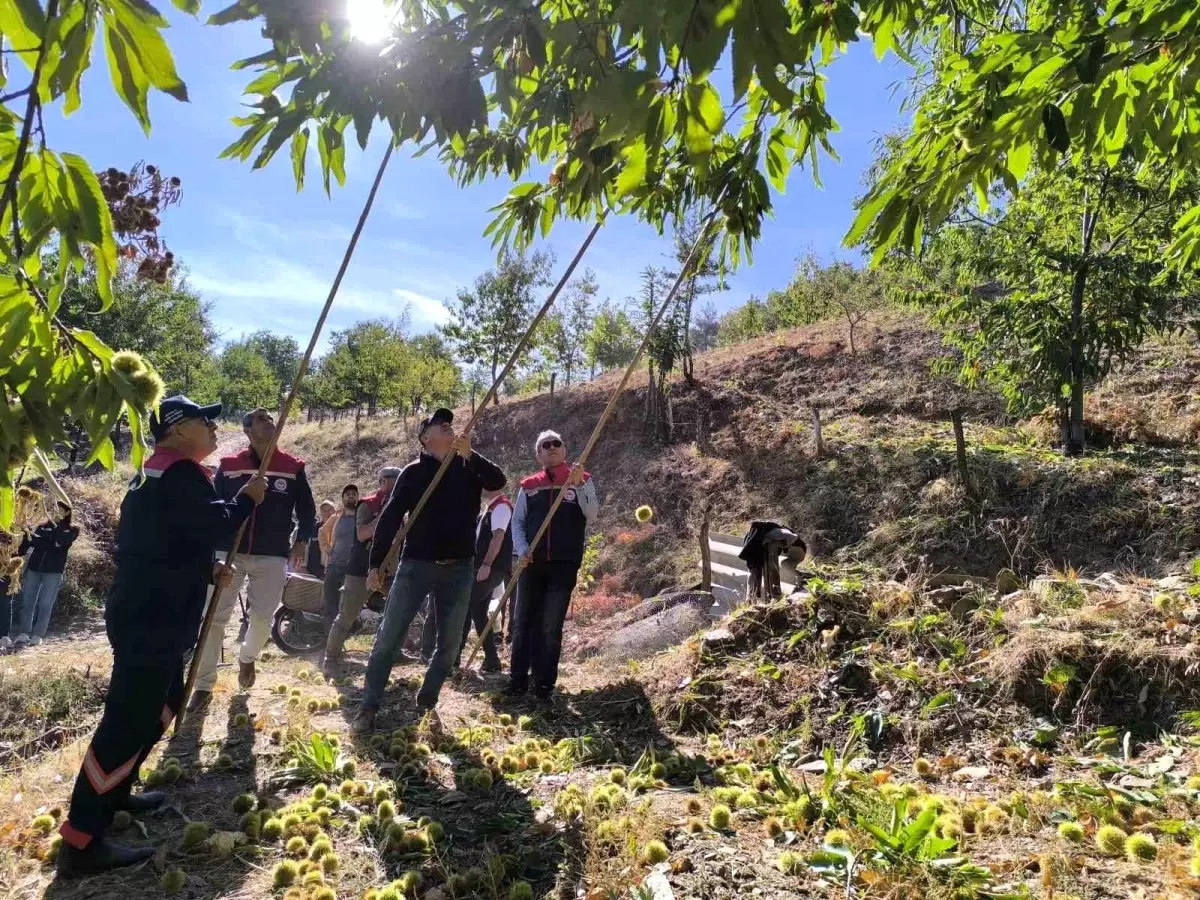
[[369, 19]]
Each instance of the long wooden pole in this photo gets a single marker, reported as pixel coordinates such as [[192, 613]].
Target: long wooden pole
[[398, 542], [595, 436], [210, 612]]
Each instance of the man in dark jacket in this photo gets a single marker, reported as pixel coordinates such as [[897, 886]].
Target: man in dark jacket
[[43, 576], [548, 574], [265, 550], [493, 561], [171, 521], [438, 556]]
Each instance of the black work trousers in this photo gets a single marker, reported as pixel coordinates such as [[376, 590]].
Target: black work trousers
[[543, 596], [144, 695], [477, 613]]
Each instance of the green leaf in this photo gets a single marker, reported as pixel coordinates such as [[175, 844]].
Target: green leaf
[[299, 155], [633, 171], [94, 219], [140, 25], [937, 701], [191, 7], [95, 346], [23, 23], [1056, 128], [102, 451], [128, 78]]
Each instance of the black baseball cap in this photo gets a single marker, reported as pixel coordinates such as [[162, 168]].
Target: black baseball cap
[[174, 410], [440, 416]]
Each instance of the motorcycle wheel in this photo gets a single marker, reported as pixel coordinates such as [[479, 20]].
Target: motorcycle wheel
[[297, 633]]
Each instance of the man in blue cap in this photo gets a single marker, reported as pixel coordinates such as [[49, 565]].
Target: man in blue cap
[[171, 522]]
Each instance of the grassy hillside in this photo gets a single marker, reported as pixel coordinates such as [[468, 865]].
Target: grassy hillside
[[884, 493]]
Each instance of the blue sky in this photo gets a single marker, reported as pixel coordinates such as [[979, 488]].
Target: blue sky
[[265, 254]]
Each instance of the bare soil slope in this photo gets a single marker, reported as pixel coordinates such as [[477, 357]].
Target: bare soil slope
[[885, 492]]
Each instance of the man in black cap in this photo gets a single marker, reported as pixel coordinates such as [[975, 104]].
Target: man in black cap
[[171, 522], [437, 556]]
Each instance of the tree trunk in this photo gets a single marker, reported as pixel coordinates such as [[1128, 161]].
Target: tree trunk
[[593, 370], [853, 349], [818, 441], [553, 378], [371, 403], [357, 413], [960, 450], [495, 366], [1074, 445], [688, 368]]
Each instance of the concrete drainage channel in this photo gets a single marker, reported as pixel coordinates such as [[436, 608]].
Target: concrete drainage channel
[[730, 575]]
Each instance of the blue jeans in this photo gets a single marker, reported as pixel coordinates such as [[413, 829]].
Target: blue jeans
[[450, 584], [39, 590]]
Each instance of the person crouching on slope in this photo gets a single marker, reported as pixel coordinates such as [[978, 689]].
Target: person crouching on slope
[[437, 556], [265, 549], [171, 522], [548, 574]]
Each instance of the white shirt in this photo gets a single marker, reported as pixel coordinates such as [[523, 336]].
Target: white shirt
[[501, 516]]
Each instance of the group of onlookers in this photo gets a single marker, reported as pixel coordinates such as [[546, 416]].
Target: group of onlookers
[[27, 602]]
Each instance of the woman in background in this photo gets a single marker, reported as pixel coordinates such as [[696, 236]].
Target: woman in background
[[43, 574]]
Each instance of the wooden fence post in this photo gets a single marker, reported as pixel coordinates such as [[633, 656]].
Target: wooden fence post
[[818, 441], [705, 552], [960, 449]]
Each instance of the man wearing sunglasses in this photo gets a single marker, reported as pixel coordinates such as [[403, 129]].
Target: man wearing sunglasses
[[437, 557], [171, 521], [266, 547], [549, 572]]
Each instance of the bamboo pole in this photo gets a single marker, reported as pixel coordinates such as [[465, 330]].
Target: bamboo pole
[[210, 612], [398, 542], [595, 436]]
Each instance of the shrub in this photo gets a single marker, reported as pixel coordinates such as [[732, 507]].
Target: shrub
[[243, 803], [194, 834]]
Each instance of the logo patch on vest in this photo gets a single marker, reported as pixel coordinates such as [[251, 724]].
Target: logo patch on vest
[[280, 484], [570, 496]]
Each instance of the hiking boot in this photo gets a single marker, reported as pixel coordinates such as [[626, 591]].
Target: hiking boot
[[200, 701], [515, 689], [329, 665], [146, 801], [364, 721], [246, 675], [490, 665], [20, 641], [101, 855], [544, 694], [431, 721], [35, 641], [5, 644]]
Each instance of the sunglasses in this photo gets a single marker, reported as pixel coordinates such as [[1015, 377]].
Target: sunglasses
[[552, 444]]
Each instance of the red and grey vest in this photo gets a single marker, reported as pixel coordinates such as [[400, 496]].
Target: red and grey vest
[[269, 531], [483, 537], [564, 540]]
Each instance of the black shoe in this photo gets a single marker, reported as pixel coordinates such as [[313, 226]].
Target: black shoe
[[146, 801], [490, 665], [544, 695], [516, 689], [101, 855]]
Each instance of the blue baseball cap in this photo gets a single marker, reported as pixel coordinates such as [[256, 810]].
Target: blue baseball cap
[[176, 409]]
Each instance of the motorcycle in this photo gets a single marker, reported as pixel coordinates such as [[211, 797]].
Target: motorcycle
[[298, 627]]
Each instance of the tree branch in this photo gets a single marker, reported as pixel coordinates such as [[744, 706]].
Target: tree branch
[[31, 106]]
